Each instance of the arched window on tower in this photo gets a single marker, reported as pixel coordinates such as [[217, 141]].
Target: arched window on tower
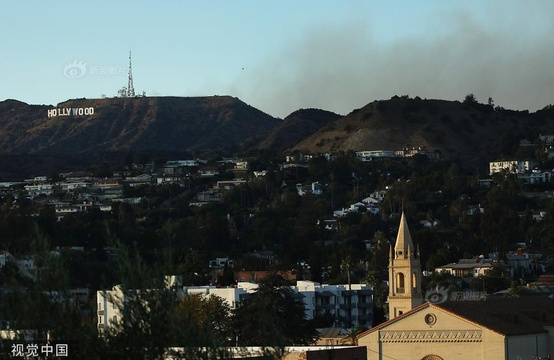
[[414, 282], [400, 283]]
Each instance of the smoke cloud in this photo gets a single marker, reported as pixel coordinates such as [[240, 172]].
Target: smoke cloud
[[506, 55]]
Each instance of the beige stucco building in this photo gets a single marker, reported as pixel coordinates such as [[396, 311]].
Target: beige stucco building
[[498, 328]]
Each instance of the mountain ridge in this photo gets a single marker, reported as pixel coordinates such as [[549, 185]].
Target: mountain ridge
[[198, 126]]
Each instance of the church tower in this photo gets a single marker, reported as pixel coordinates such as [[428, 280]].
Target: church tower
[[404, 273]]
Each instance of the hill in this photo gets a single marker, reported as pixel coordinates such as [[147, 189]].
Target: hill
[[171, 125], [32, 142], [295, 127], [470, 131]]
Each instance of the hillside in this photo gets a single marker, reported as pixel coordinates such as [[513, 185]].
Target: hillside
[[174, 126], [473, 132], [131, 124], [295, 127], [31, 142]]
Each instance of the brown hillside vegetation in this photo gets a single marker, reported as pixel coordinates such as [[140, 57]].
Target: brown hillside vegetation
[[178, 126], [470, 131], [295, 127], [131, 124]]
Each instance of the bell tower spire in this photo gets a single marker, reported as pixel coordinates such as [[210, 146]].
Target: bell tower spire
[[404, 273]]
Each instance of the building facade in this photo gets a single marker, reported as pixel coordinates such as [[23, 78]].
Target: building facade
[[501, 328], [513, 166], [352, 305]]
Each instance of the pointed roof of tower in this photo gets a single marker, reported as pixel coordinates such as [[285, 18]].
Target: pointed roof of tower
[[404, 239]]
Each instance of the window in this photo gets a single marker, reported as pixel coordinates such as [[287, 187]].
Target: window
[[400, 282]]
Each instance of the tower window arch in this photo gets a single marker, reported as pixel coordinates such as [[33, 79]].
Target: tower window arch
[[400, 282]]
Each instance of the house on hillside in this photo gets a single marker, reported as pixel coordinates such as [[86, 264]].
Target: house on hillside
[[474, 267], [513, 166]]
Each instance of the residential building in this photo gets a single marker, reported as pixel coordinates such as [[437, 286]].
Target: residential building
[[535, 176], [39, 189], [474, 267], [229, 184], [208, 172], [521, 260], [241, 165], [332, 336], [314, 189], [513, 166], [369, 155], [351, 304]]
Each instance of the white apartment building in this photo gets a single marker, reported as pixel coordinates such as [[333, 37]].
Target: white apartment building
[[514, 166], [38, 189], [351, 305]]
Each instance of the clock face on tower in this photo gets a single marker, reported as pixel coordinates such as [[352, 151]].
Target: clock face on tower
[[430, 319]]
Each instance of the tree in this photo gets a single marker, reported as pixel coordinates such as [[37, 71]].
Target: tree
[[273, 316], [346, 265], [352, 335], [470, 99]]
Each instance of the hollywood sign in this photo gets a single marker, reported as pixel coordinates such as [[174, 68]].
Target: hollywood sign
[[70, 112]]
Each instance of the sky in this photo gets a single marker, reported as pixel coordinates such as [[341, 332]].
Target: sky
[[281, 56]]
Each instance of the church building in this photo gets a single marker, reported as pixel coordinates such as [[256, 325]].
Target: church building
[[495, 328]]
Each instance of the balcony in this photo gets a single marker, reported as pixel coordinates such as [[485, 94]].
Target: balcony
[[325, 307], [365, 305], [400, 290], [346, 306]]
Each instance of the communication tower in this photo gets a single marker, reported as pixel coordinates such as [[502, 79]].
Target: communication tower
[[130, 88]]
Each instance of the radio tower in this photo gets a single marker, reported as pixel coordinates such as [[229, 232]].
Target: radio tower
[[130, 88]]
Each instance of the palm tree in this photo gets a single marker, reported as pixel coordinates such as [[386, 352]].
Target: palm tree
[[351, 336]]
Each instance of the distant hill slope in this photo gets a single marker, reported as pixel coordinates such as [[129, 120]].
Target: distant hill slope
[[174, 124], [30, 141], [295, 127], [473, 132]]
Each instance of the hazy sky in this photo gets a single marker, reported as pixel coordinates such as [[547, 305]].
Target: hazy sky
[[279, 56]]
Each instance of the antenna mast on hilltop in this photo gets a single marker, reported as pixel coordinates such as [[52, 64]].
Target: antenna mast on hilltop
[[130, 88]]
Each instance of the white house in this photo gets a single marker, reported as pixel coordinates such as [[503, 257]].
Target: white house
[[474, 267], [38, 189], [368, 155], [513, 166]]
